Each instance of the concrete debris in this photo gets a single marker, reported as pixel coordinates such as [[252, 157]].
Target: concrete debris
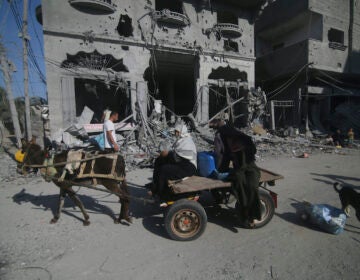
[[86, 116], [258, 130], [140, 143], [256, 105], [142, 140]]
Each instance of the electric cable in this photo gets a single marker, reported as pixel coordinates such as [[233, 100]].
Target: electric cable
[[281, 88], [3, 22], [335, 86], [334, 79], [19, 23], [35, 30]]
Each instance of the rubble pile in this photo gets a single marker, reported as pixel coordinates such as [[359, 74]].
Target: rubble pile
[[275, 146], [140, 145], [150, 129]]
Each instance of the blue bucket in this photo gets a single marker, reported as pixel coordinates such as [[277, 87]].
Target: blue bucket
[[206, 163]]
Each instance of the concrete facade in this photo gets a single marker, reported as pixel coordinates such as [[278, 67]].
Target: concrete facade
[[96, 49], [311, 47]]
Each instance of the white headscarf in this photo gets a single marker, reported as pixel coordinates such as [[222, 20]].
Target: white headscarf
[[181, 127], [184, 146]]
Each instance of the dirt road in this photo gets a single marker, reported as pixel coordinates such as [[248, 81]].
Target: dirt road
[[31, 248]]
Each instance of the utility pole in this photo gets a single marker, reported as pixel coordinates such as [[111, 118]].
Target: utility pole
[[5, 66], [306, 101], [298, 124], [351, 35], [308, 133], [26, 70]]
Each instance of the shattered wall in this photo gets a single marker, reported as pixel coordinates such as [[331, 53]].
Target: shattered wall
[[310, 46], [313, 23], [79, 39]]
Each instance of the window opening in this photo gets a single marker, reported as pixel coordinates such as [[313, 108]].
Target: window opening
[[336, 36], [231, 46], [97, 96], [125, 26], [173, 5], [227, 17]]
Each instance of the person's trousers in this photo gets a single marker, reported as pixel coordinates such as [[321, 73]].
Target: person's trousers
[[166, 169], [246, 189]]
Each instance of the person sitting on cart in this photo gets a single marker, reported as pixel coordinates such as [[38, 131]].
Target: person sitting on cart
[[245, 176], [175, 164]]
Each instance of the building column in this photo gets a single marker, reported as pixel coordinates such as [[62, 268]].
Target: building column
[[141, 98], [202, 114], [272, 114], [68, 101], [298, 109]]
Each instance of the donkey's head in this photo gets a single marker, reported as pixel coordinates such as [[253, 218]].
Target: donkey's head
[[32, 155]]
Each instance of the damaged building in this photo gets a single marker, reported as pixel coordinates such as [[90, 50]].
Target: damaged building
[[308, 62], [196, 56]]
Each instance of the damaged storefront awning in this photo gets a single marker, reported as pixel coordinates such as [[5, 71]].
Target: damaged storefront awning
[[98, 127], [333, 91]]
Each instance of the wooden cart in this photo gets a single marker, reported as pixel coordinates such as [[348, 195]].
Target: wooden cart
[[185, 218]]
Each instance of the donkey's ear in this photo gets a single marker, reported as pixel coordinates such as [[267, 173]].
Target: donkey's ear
[[23, 142], [48, 147], [33, 140]]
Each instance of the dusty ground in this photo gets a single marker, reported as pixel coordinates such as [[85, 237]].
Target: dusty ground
[[31, 248]]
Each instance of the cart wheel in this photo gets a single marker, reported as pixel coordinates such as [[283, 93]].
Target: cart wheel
[[267, 209], [185, 220]]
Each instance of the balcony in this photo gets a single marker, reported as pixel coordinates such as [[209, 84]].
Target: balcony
[[168, 16], [104, 6], [228, 29], [337, 46]]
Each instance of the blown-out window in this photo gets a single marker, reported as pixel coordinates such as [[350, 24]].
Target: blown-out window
[[336, 36], [227, 17], [172, 5]]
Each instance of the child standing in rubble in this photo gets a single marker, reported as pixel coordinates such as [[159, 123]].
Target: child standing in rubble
[[178, 163], [350, 137], [338, 138]]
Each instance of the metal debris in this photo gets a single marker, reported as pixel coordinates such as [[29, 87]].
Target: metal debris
[[142, 138]]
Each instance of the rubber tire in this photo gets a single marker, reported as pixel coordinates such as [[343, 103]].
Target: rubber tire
[[190, 207], [268, 203], [267, 209]]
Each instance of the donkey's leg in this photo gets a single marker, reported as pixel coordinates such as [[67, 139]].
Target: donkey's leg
[[125, 201], [121, 191], [60, 206], [79, 204]]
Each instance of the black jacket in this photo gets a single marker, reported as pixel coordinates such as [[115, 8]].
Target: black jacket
[[246, 141]]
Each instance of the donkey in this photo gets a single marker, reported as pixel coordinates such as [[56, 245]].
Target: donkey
[[34, 155]]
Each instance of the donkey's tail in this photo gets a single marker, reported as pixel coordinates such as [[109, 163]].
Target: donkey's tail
[[335, 187]]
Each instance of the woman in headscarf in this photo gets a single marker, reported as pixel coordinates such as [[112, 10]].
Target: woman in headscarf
[[246, 175], [178, 163]]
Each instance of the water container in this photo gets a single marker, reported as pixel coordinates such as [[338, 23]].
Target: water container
[[206, 163]]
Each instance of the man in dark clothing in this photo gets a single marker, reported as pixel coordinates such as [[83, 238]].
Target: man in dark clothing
[[246, 175], [222, 156], [338, 138]]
